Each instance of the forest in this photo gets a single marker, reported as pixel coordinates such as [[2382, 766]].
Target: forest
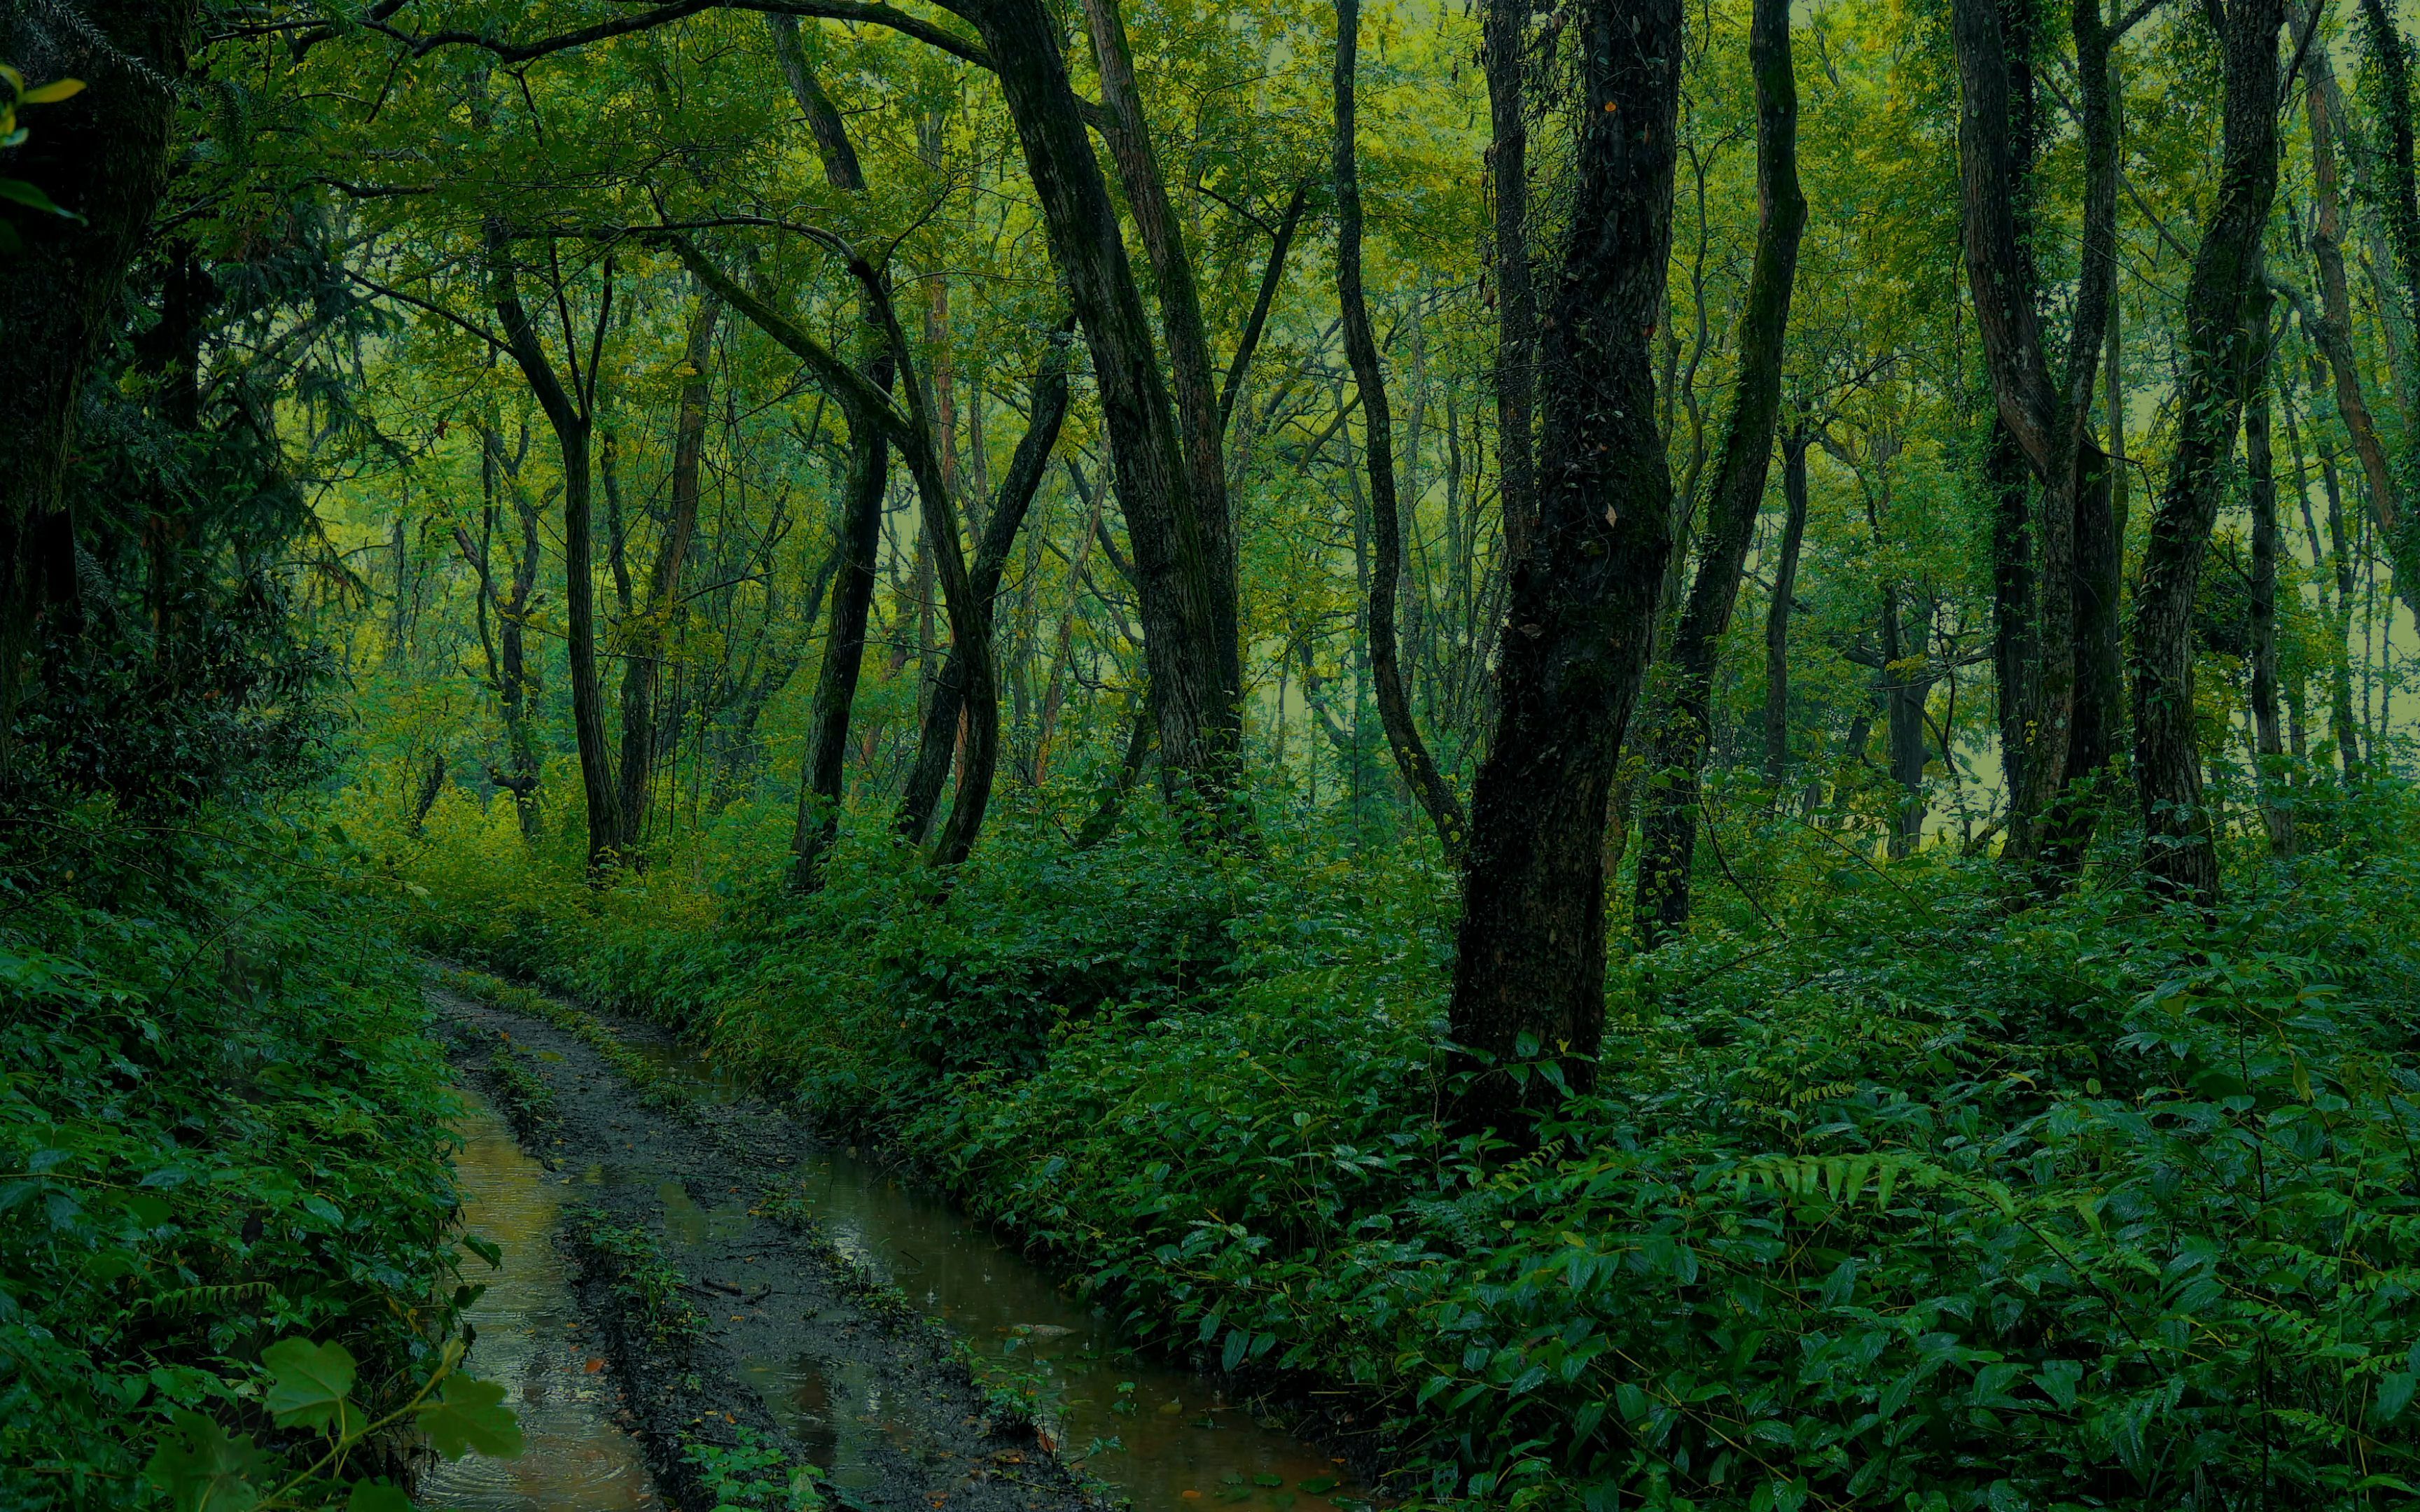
[[760, 755]]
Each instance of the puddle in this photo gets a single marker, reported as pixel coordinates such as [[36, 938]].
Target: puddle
[[1162, 1436], [573, 1458]]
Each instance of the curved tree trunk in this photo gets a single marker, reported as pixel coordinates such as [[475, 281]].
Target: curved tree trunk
[[2179, 850], [938, 740], [1529, 970], [1183, 553], [1412, 757], [1683, 716]]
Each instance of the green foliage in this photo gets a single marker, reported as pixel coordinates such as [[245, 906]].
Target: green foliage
[[752, 1476], [222, 1131], [529, 1101], [2083, 1205], [200, 1467], [643, 1278]]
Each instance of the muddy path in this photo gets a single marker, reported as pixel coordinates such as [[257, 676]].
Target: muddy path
[[738, 1339]]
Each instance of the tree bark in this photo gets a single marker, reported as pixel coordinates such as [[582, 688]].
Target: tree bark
[[1530, 971], [2179, 850], [2015, 653], [2400, 201], [1504, 31], [1681, 725], [2047, 415], [569, 410], [1776, 618], [1183, 550], [1402, 731], [643, 638]]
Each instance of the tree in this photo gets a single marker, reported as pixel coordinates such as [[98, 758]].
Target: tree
[[1529, 968], [1680, 722]]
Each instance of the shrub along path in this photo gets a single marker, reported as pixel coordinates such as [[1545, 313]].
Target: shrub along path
[[703, 1283]]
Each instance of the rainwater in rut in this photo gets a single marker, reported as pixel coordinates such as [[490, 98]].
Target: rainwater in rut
[[573, 1458], [1165, 1437]]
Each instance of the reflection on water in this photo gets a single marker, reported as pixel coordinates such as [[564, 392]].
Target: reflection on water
[[575, 1459], [1180, 1447]]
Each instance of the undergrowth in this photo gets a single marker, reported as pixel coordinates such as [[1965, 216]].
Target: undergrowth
[[1917, 1200], [222, 1124]]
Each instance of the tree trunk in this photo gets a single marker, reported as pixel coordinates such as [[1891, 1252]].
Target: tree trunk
[[569, 410], [1905, 684], [1183, 552], [102, 154], [938, 740], [2015, 651], [2269, 744], [2179, 849], [2399, 199], [1681, 724], [1776, 619], [1411, 752], [1530, 971], [2048, 415], [1504, 33], [2332, 333], [642, 641]]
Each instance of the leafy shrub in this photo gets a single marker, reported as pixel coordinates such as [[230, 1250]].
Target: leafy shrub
[[1919, 1201], [222, 1123]]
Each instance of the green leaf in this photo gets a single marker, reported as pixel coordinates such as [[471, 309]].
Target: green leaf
[[493, 1254], [377, 1496], [203, 1470], [26, 194], [470, 1417], [2394, 1395], [1318, 1485], [308, 1383], [52, 93]]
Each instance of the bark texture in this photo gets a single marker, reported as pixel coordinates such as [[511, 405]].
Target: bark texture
[[1530, 973], [2179, 853]]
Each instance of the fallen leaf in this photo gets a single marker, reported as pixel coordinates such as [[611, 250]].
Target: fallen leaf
[[594, 1366]]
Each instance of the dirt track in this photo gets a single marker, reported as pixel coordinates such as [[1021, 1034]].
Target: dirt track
[[858, 1383]]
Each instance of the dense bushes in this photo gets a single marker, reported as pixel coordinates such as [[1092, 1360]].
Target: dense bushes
[[221, 1124], [1921, 1201]]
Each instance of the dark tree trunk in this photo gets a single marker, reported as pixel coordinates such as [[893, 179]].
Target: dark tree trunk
[[1184, 555], [642, 644], [570, 412], [2015, 651], [1682, 722], [102, 154], [2047, 415], [852, 605], [1904, 688], [1776, 619], [1005, 517], [2345, 728], [1530, 971], [2269, 741], [1504, 32], [2179, 850], [515, 685], [1402, 731]]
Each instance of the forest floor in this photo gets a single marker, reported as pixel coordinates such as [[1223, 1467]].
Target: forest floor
[[698, 1282]]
